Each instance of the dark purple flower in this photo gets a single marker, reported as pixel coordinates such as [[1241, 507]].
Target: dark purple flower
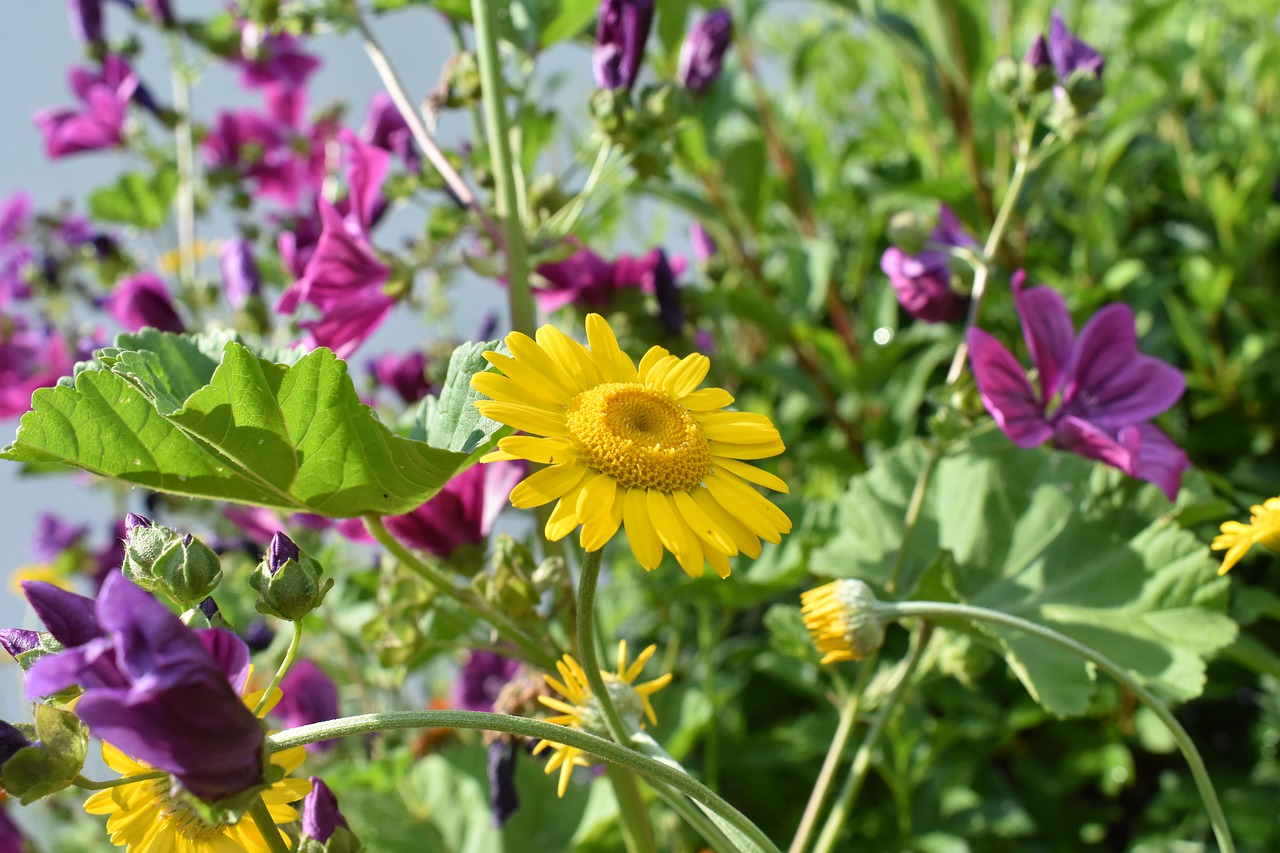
[[240, 276], [621, 31], [29, 360], [11, 837], [405, 373], [258, 636], [161, 692], [69, 617], [1069, 54], [11, 740], [481, 680], [702, 54], [504, 799], [86, 20], [99, 123], [269, 59], [16, 641], [462, 513], [923, 280], [1096, 391], [310, 696], [280, 550], [54, 535], [143, 300], [386, 128], [667, 292], [1037, 55], [320, 814], [344, 277]]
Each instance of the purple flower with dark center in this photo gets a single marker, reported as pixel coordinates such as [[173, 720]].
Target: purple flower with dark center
[[320, 815], [344, 277], [240, 277], [143, 300], [29, 360], [462, 513], [99, 122], [55, 535], [86, 20], [386, 128], [1096, 393], [923, 280], [621, 32], [310, 696], [1069, 54], [162, 693], [481, 680], [268, 59], [702, 54], [405, 373]]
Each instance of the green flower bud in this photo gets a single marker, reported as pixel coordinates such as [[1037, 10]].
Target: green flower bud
[[144, 543], [44, 758], [1084, 90], [188, 569], [1002, 79], [611, 109], [909, 230], [288, 581], [666, 104]]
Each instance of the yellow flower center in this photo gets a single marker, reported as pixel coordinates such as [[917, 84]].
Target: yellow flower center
[[639, 437], [184, 818]]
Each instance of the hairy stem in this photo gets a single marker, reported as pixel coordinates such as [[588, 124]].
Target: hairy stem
[[285, 663]]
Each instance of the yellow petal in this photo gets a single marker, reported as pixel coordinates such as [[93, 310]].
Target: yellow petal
[[542, 487], [526, 349], [702, 525], [748, 543], [548, 451], [572, 356], [495, 386], [686, 375], [673, 532], [706, 400], [643, 539], [649, 359], [615, 365], [527, 375], [524, 418], [752, 474], [760, 450], [597, 532]]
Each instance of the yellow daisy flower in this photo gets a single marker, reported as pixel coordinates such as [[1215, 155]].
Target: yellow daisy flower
[[842, 621], [583, 712], [39, 572], [1236, 538], [144, 816], [633, 447]]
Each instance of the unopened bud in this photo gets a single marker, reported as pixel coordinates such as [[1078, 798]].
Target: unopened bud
[[909, 230], [611, 109], [288, 581], [842, 620], [1002, 79], [188, 570], [1084, 90]]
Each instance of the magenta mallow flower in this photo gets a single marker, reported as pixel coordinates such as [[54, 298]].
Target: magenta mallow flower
[[1067, 53], [462, 513], [386, 128], [621, 32], [310, 696], [404, 373], [481, 680], [86, 20], [589, 281], [240, 276], [258, 148], [702, 54], [320, 815], [159, 691], [344, 277], [15, 255], [268, 59], [1096, 392], [29, 359], [55, 535], [143, 300], [923, 280], [99, 122]]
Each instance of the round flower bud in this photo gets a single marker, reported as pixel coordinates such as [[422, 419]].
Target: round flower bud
[[144, 543], [909, 230], [188, 569], [1084, 90], [842, 620], [611, 109], [288, 580], [1002, 79]]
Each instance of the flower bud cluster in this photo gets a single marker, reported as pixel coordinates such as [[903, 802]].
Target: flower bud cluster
[[162, 560]]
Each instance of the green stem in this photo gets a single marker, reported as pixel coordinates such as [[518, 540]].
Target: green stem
[[484, 13], [533, 651], [692, 815], [1021, 169], [914, 505], [270, 832], [935, 610], [184, 153], [91, 785], [635, 818], [602, 748], [862, 758], [287, 662], [844, 729]]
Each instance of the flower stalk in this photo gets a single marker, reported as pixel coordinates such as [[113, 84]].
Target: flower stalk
[[285, 663], [267, 826]]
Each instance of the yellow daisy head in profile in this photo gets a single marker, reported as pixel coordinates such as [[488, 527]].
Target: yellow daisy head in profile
[[582, 710], [1236, 538], [635, 447], [842, 621]]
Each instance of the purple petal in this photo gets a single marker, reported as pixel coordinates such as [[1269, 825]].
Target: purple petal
[[1048, 331], [70, 618], [320, 815], [702, 54], [1156, 458], [504, 799], [1086, 439], [17, 641], [1006, 392], [499, 479], [230, 654], [1069, 53]]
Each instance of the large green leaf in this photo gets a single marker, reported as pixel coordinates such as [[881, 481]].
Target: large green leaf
[[163, 413], [1053, 538]]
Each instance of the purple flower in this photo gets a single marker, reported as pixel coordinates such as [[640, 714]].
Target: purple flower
[[310, 696], [462, 513], [258, 148], [622, 30], [54, 535], [273, 59], [387, 129], [71, 618], [143, 300], [320, 815], [1068, 53], [405, 373], [702, 54], [481, 680], [704, 248], [11, 838], [161, 692], [16, 641], [1096, 391], [161, 12], [15, 256], [589, 281], [240, 277], [504, 799], [86, 20], [923, 280], [99, 123], [344, 277], [29, 360]]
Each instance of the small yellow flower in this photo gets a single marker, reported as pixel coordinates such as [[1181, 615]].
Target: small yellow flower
[[170, 261], [583, 712], [842, 621], [634, 447], [1236, 538], [39, 572]]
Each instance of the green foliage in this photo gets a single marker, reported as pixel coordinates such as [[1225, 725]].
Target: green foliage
[[52, 761], [136, 199]]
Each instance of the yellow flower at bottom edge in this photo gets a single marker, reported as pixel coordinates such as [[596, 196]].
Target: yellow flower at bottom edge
[[640, 448], [583, 712], [1236, 538]]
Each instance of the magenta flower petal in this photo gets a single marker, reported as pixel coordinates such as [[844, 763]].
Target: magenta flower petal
[[1047, 328], [1156, 458], [143, 300], [1006, 391], [1081, 437]]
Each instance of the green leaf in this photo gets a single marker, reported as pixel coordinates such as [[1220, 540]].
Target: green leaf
[[452, 421], [242, 429], [567, 19], [136, 199], [1051, 537], [53, 762]]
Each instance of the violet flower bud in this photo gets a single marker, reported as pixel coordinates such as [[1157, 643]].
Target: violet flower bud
[[86, 20], [324, 829], [504, 799], [667, 291], [621, 34], [288, 581], [702, 54], [11, 740], [280, 550], [240, 276]]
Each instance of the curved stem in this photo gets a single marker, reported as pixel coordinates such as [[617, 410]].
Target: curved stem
[[862, 758], [484, 14], [91, 785], [692, 815], [287, 662], [600, 747], [935, 609], [270, 833]]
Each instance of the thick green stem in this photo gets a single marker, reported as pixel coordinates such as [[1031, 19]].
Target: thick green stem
[[287, 662], [601, 748], [91, 785], [936, 610], [639, 835], [484, 14], [862, 758], [270, 832]]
